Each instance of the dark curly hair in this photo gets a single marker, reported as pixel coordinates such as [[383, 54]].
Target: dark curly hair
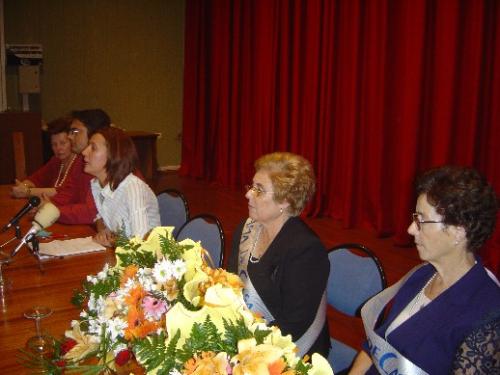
[[59, 125], [463, 198]]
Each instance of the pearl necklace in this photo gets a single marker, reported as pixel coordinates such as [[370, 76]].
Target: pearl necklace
[[252, 258], [59, 180], [417, 302], [411, 309]]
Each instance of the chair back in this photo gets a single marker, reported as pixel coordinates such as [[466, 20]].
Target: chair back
[[207, 229], [353, 278], [174, 210]]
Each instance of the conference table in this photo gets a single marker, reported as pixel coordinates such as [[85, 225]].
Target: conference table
[[28, 286]]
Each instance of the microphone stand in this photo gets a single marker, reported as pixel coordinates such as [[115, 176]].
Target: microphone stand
[[35, 251], [18, 236], [18, 230]]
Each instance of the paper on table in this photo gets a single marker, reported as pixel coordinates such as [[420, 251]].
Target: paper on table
[[70, 247]]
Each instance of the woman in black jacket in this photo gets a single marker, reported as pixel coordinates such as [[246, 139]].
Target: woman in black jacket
[[280, 259]]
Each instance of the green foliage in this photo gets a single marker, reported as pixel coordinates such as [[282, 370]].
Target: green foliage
[[260, 335], [154, 353], [138, 257], [171, 249], [100, 288], [104, 287], [204, 337], [122, 240], [182, 299], [78, 298], [238, 331], [302, 368]]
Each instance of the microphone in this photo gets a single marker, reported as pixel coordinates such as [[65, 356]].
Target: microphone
[[45, 217], [33, 202]]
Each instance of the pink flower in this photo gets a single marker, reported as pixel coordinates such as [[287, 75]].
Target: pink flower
[[154, 308]]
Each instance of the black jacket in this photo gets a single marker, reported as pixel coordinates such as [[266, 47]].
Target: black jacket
[[290, 278]]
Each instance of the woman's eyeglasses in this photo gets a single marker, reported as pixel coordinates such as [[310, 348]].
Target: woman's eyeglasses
[[256, 190], [416, 219], [74, 131]]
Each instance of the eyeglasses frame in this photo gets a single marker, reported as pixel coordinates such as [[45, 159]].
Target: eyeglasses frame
[[418, 222], [256, 190]]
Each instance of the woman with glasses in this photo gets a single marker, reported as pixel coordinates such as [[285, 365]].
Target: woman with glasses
[[58, 171], [436, 306], [280, 259], [124, 202]]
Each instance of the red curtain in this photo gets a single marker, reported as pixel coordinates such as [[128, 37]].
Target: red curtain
[[371, 92]]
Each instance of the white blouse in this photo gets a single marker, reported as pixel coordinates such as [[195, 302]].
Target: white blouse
[[132, 207]]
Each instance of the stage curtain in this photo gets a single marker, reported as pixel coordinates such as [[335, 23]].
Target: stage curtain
[[371, 92]]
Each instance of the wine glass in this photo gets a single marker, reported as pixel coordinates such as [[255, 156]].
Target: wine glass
[[4, 283], [40, 344]]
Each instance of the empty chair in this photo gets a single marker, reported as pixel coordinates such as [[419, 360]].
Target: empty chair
[[353, 280], [174, 209], [207, 229]]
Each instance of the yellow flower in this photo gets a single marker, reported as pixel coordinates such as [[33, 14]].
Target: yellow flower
[[207, 364], [172, 289], [222, 277], [275, 338], [320, 366], [110, 307], [192, 257], [220, 303], [84, 344], [255, 359], [192, 291]]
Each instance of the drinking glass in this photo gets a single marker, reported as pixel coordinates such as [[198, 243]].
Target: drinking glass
[[4, 283], [40, 344]]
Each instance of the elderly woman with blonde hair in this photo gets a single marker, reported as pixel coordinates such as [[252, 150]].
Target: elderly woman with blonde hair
[[280, 259]]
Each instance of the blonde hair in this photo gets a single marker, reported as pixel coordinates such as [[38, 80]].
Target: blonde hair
[[292, 177]]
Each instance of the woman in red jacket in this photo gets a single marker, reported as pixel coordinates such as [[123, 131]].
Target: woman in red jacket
[[58, 171]]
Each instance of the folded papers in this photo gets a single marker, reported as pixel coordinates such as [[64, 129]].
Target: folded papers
[[70, 247]]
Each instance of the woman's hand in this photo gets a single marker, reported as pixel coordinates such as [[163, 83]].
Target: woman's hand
[[20, 190], [361, 364], [105, 238]]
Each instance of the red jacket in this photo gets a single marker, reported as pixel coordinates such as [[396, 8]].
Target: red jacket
[[74, 199]]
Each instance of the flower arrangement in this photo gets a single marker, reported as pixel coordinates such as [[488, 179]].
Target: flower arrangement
[[164, 308]]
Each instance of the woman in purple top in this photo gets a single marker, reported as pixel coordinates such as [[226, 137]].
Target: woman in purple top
[[440, 303]]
